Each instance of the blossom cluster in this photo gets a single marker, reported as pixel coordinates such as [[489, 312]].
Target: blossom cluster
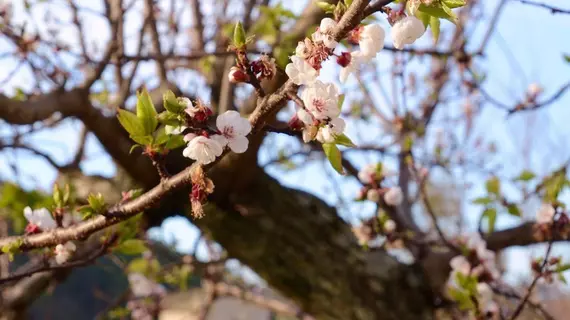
[[372, 175], [319, 107], [476, 266], [41, 220], [370, 230], [206, 144]]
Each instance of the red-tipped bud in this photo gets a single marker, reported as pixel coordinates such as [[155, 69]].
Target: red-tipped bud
[[295, 123], [32, 229], [344, 59], [237, 75]]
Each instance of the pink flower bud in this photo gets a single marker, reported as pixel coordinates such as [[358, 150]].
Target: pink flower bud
[[344, 59], [237, 75]]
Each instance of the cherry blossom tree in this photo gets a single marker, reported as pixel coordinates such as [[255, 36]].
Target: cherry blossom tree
[[189, 99]]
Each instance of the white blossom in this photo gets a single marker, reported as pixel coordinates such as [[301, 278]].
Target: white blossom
[[394, 196], [407, 31], [142, 287], [373, 195], [234, 129], [203, 150], [305, 117], [475, 242], [41, 218], [534, 89], [328, 132], [301, 50], [63, 252], [371, 39], [357, 58], [300, 71], [324, 33], [545, 213], [321, 100], [460, 264], [368, 173], [389, 226]]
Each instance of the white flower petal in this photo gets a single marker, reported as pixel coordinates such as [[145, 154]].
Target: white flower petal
[[545, 213], [321, 100], [239, 144], [300, 71], [189, 137], [28, 214], [203, 150], [372, 39], [394, 196], [337, 125], [407, 31], [220, 139], [327, 25], [304, 116]]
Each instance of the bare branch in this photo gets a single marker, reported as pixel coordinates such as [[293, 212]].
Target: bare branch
[[553, 9]]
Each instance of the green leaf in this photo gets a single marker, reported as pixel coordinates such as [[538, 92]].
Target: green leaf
[[146, 112], [562, 268], [553, 185], [144, 266], [134, 147], [513, 210], [96, 202], [171, 102], [12, 248], [169, 118], [341, 100], [454, 3], [119, 313], [493, 186], [144, 140], [526, 175], [408, 143], [86, 212], [239, 35], [438, 10], [491, 215], [434, 25], [160, 136], [130, 122], [462, 298], [175, 141], [334, 156], [327, 7], [131, 247], [57, 196], [483, 201], [343, 140], [567, 58], [347, 3]]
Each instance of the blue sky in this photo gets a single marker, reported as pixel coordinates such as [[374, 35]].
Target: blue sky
[[526, 47]]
